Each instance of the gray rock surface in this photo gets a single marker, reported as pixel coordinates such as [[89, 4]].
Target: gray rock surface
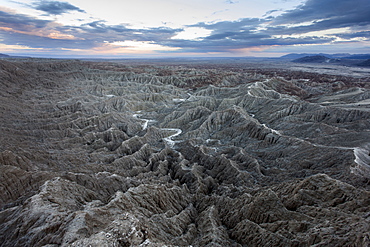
[[103, 154]]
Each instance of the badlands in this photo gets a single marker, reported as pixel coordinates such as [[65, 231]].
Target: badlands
[[183, 153]]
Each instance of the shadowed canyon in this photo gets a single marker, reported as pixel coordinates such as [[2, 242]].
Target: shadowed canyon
[[184, 154]]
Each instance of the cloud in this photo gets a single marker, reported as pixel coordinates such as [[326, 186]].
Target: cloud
[[55, 7], [328, 13], [365, 35], [247, 40], [12, 24], [239, 25], [100, 32], [268, 13], [245, 33], [35, 41], [316, 22], [20, 22], [231, 2], [293, 27], [322, 16], [26, 31]]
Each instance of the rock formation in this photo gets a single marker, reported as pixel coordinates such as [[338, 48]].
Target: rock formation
[[103, 154]]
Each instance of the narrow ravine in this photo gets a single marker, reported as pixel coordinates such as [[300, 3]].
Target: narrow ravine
[[171, 143]]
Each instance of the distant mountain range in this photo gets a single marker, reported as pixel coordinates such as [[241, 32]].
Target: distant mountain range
[[2, 55], [345, 59], [314, 59], [337, 55]]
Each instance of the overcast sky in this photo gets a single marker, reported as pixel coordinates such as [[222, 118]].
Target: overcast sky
[[158, 28]]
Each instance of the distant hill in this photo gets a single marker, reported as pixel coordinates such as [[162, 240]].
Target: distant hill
[[336, 55], [301, 55], [358, 56], [365, 63], [2, 55], [313, 59]]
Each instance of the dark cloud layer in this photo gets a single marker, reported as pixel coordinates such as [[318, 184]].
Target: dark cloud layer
[[46, 42], [243, 41], [18, 29], [334, 11], [314, 15], [364, 35], [20, 22], [289, 28], [318, 15], [55, 7]]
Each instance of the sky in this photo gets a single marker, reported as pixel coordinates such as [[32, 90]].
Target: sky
[[183, 28]]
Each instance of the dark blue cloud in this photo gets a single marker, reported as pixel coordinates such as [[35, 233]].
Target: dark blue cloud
[[34, 41], [363, 34], [20, 22], [239, 25], [244, 41], [314, 15], [328, 13], [55, 7], [231, 2], [100, 32], [241, 35], [268, 16]]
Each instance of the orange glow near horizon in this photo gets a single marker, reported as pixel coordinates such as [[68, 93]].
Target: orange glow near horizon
[[12, 48], [52, 34]]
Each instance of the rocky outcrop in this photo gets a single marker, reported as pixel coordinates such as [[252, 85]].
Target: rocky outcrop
[[102, 154]]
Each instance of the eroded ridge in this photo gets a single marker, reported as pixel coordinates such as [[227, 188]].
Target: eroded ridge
[[102, 154]]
